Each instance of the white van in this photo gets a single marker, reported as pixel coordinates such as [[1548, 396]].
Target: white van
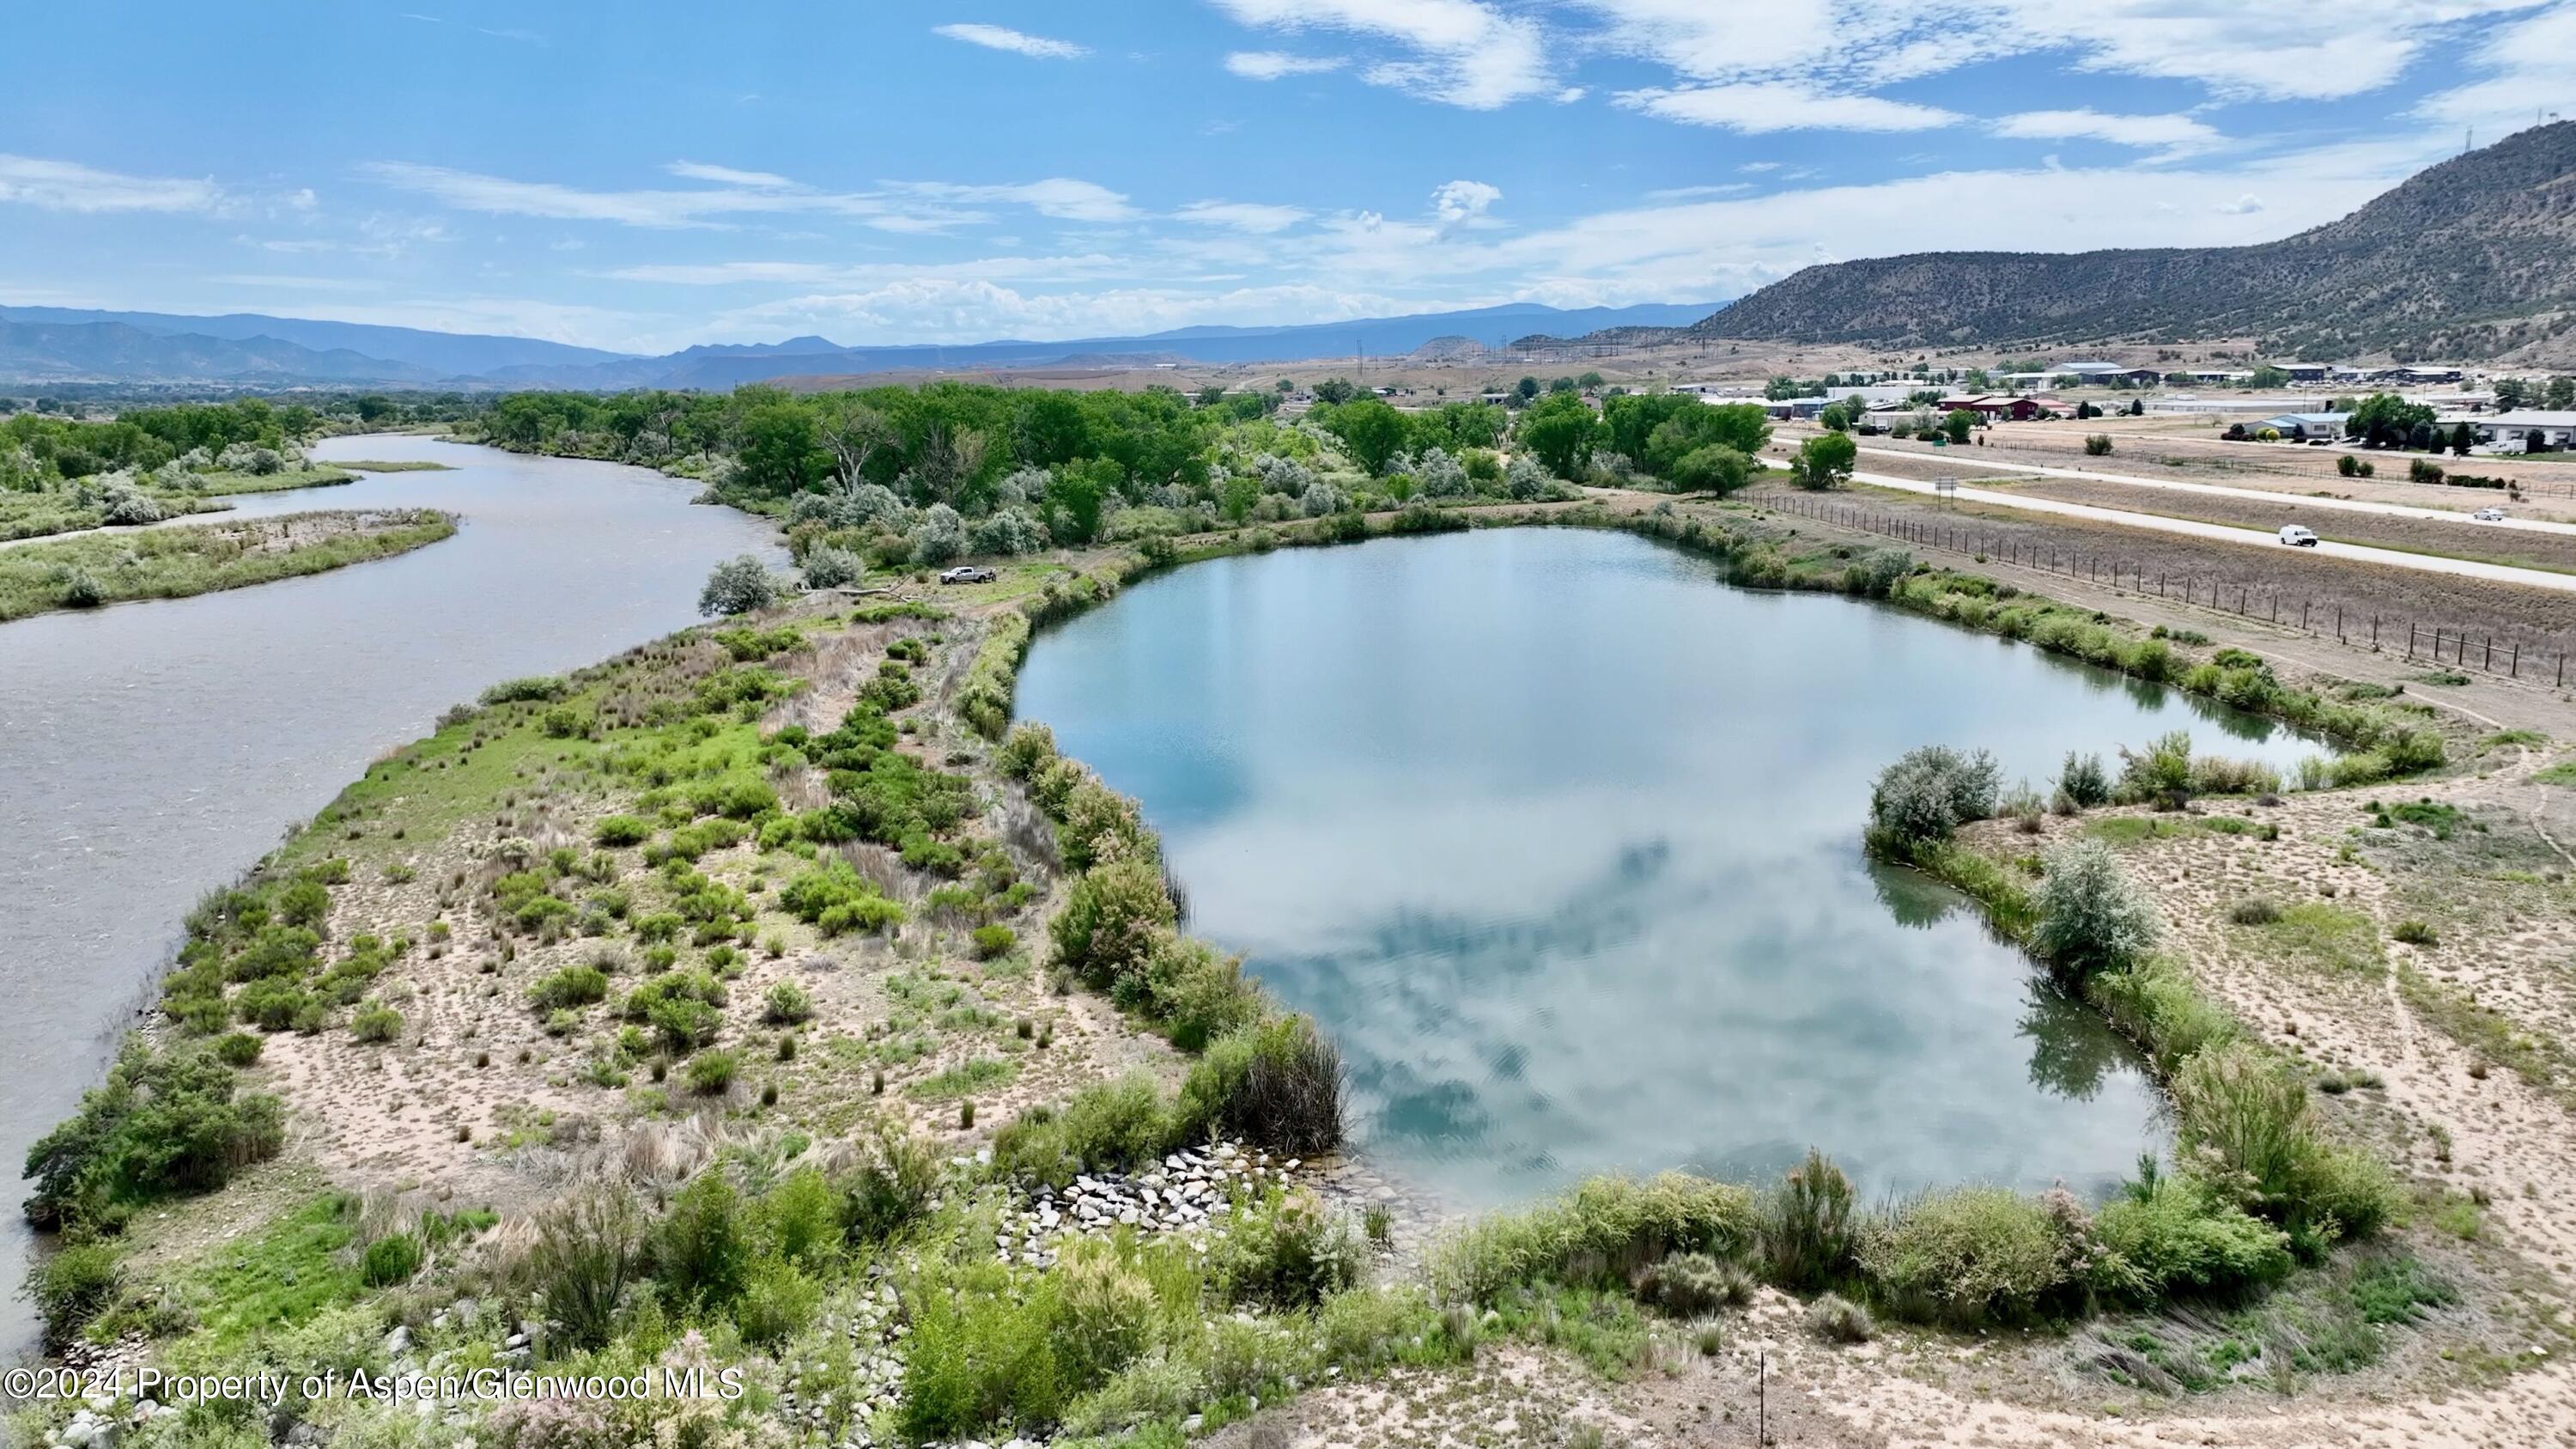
[[2297, 537]]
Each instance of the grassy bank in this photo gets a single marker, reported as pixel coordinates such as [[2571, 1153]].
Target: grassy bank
[[172, 563]]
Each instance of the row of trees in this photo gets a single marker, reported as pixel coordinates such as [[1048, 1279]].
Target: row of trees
[[2557, 394], [38, 449]]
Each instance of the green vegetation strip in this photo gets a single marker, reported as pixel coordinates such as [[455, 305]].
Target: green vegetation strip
[[171, 563]]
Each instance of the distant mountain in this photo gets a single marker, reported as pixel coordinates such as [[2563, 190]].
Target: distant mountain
[[422, 353], [41, 344], [2473, 258], [115, 351]]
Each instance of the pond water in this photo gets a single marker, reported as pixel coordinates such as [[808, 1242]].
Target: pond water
[[1557, 835], [154, 750]]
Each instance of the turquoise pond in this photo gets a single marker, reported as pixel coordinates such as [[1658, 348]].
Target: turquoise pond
[[1557, 835]]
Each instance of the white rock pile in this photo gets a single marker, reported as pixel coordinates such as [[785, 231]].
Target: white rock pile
[[1186, 1195]]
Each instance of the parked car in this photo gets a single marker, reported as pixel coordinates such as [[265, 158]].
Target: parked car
[[968, 574], [2489, 515], [2297, 537]]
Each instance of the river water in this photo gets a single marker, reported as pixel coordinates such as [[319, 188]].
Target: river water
[[151, 751], [1557, 835]]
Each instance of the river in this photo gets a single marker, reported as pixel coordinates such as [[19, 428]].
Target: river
[[1557, 835], [154, 750]]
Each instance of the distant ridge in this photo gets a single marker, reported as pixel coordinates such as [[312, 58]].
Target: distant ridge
[[2474, 258], [57, 344]]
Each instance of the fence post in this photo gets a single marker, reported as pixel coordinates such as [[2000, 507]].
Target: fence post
[[2488, 664], [2516, 670], [2410, 635]]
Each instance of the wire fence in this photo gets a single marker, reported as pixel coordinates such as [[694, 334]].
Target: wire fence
[[2436, 643]]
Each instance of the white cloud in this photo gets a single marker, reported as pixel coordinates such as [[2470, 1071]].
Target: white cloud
[[1018, 42], [1699, 193], [70, 186], [871, 274], [1464, 201], [1058, 196], [900, 207], [1761, 107], [1464, 52], [2245, 205], [1828, 59], [2177, 134], [726, 175], [1243, 215], [935, 309], [2532, 78], [270, 282], [1267, 65]]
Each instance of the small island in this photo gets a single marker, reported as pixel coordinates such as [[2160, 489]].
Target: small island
[[173, 563]]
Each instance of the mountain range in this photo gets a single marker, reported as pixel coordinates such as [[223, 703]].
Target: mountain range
[[2474, 258], [59, 344]]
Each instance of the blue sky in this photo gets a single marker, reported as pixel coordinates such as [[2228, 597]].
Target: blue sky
[[651, 175]]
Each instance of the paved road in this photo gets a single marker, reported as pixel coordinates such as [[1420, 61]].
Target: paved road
[[2157, 523], [2259, 495]]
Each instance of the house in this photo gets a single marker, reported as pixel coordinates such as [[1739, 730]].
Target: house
[[2555, 430], [2018, 409], [2303, 427], [2306, 371]]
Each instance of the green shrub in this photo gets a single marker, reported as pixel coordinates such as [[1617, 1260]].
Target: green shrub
[[711, 1073], [1969, 1256], [2254, 911], [2161, 773], [886, 1183], [237, 1049], [786, 1005], [533, 689], [1027, 747], [1689, 1285], [1597, 1236], [590, 1249], [2091, 916], [1277, 1084], [2416, 933], [1837, 1319], [2171, 1236], [377, 1023], [1107, 1126], [569, 986], [981, 1354], [703, 1249], [1292, 1252], [835, 900], [1109, 920], [777, 1303], [1931, 791], [2084, 780], [620, 830], [1809, 1236], [162, 1123], [73, 1285], [2243, 1113], [992, 941], [391, 1259], [1196, 992]]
